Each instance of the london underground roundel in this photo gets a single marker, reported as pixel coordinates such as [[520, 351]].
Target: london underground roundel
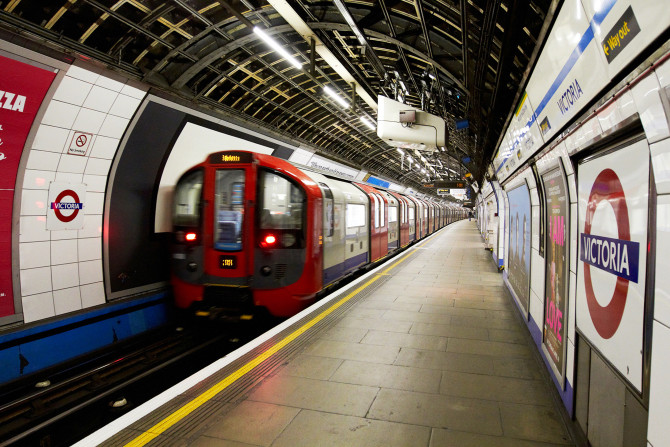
[[611, 267]]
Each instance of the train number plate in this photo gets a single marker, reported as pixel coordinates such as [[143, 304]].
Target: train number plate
[[227, 262]]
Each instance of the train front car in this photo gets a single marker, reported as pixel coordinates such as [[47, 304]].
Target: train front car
[[247, 229]]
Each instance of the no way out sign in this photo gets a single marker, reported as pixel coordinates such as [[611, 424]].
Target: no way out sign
[[65, 210]]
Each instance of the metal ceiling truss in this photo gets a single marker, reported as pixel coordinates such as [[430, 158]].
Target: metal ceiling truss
[[459, 59]]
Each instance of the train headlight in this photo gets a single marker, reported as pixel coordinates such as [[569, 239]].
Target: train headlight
[[288, 240], [268, 241], [191, 266], [266, 270]]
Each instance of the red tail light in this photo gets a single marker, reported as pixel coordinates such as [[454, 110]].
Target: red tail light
[[191, 236], [270, 239]]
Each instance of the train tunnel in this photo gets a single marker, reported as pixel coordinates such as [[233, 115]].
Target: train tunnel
[[485, 178]]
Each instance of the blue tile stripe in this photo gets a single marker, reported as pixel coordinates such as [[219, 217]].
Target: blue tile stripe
[[584, 42]]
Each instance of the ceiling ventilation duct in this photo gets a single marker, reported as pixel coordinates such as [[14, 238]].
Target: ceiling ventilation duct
[[407, 127]]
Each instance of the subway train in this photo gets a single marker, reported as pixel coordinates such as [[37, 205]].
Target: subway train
[[252, 232]]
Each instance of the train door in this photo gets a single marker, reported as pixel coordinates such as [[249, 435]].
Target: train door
[[411, 218]]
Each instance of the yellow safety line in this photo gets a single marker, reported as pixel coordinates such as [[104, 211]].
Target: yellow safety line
[[193, 405]]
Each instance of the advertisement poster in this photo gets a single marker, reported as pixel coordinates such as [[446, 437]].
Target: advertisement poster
[[518, 263], [22, 89], [556, 268], [613, 215]]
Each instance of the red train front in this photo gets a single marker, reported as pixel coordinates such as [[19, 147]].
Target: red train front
[[246, 232]]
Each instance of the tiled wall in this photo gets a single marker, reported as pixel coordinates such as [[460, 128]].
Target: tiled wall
[[61, 271]]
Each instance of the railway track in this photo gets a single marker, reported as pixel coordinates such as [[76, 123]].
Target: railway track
[[68, 404]]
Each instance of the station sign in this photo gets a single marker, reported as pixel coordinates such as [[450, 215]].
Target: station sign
[[66, 206], [613, 214]]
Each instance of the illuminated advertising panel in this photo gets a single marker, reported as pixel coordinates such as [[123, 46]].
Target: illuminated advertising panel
[[22, 89], [557, 273], [518, 262]]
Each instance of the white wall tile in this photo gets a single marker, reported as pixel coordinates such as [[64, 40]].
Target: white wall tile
[[658, 432], [90, 249], [114, 126], [88, 121], [34, 254], [43, 161], [537, 273], [125, 106], [535, 221], [67, 300], [572, 187], [92, 294], [610, 116], [650, 108], [60, 114], [64, 251], [572, 303], [133, 91], [38, 307], [109, 83], [95, 202], [95, 183], [90, 272], [92, 226], [70, 177], [34, 202], [72, 91], [663, 73], [50, 138], [74, 164], [104, 147], [37, 280], [574, 237], [98, 166], [626, 104], [83, 74], [34, 179], [65, 276], [100, 99], [662, 298], [33, 229], [536, 309], [570, 363], [59, 235], [660, 161]]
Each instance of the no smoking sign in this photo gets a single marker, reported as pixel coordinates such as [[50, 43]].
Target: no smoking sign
[[80, 143]]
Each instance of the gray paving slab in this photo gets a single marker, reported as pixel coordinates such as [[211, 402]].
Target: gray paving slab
[[454, 438], [321, 395], [311, 429], [416, 341], [354, 351], [254, 423], [389, 376]]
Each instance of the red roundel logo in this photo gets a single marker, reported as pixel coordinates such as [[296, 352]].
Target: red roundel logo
[[613, 255], [59, 205]]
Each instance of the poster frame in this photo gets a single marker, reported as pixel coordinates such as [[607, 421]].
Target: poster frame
[[524, 182], [559, 374]]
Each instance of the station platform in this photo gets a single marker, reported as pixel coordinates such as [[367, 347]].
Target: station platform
[[426, 350]]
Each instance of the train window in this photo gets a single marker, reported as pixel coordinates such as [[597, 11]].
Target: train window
[[228, 209], [376, 199], [329, 209], [281, 203], [393, 214], [411, 214], [355, 215], [187, 200]]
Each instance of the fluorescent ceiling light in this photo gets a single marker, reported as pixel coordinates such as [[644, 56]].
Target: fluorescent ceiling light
[[367, 122], [278, 48], [400, 150], [335, 96]]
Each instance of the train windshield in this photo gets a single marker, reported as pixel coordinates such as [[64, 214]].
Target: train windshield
[[187, 200], [228, 209], [281, 203]]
